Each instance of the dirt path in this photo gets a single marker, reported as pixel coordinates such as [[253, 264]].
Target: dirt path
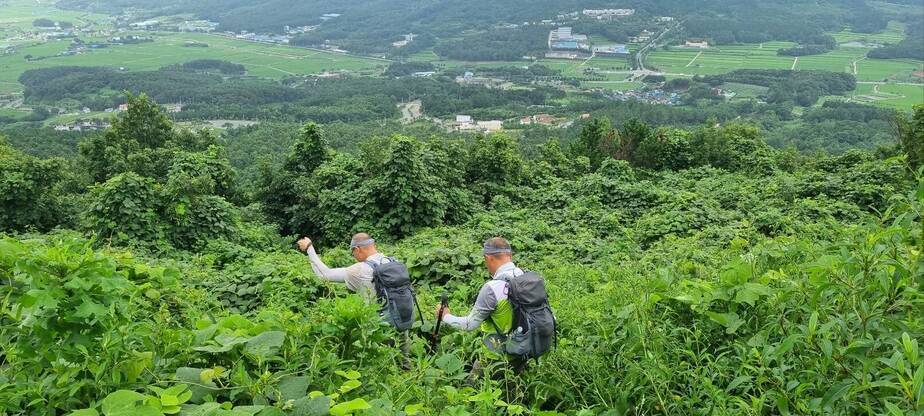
[[794, 62], [694, 59], [855, 61]]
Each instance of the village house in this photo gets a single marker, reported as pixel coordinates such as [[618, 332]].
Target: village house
[[543, 119], [490, 126], [697, 43]]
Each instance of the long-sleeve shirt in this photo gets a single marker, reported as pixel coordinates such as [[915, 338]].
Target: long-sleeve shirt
[[357, 277], [491, 298]]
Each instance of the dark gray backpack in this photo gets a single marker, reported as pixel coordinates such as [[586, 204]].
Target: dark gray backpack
[[534, 331], [392, 283]]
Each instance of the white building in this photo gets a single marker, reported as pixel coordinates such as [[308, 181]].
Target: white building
[[697, 43], [490, 126], [603, 14]]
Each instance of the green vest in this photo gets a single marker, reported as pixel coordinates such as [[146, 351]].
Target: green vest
[[502, 317]]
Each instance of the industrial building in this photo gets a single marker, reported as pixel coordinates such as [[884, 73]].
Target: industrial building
[[563, 39], [615, 50]]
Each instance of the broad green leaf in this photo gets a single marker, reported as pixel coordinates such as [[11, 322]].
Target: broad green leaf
[[730, 320], [413, 409], [350, 385], [349, 375], [751, 292], [271, 411], [223, 342], [197, 386], [307, 406], [132, 369], [449, 363], [266, 344], [292, 387], [84, 412], [128, 403], [345, 408]]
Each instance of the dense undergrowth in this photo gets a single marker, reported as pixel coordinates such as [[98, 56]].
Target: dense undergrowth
[[701, 273]]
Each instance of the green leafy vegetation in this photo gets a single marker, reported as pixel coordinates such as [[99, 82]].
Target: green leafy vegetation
[[753, 248], [692, 269]]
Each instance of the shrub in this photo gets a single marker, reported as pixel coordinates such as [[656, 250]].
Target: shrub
[[127, 210]]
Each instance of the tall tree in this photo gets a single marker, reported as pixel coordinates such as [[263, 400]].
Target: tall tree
[[136, 142], [308, 152], [285, 193], [27, 190], [494, 166], [406, 192], [592, 136]]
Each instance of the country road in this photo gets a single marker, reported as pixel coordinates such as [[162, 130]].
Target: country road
[[640, 56]]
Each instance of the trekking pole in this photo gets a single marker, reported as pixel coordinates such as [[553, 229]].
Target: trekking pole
[[444, 301]]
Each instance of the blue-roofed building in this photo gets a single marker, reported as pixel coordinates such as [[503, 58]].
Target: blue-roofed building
[[563, 39]]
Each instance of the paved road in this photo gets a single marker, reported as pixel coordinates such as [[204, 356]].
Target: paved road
[[640, 56]]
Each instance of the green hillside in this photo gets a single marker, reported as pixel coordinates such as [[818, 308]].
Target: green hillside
[[690, 271]]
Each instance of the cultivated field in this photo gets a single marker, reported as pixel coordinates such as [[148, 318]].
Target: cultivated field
[[894, 33], [850, 57], [17, 16], [263, 60], [901, 96], [719, 60]]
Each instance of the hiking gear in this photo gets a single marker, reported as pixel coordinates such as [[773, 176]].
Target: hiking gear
[[490, 249], [444, 302], [392, 283], [435, 336], [535, 329], [361, 243]]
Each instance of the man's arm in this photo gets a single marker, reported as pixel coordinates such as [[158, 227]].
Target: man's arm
[[326, 273], [481, 311]]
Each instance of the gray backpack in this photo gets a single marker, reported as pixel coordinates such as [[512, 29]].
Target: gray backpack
[[392, 283], [534, 331]]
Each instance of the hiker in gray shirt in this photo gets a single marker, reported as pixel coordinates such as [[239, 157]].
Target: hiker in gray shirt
[[492, 312], [358, 276]]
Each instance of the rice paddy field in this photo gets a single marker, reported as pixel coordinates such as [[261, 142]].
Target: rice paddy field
[[611, 69], [17, 16], [899, 87], [263, 60], [894, 33]]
